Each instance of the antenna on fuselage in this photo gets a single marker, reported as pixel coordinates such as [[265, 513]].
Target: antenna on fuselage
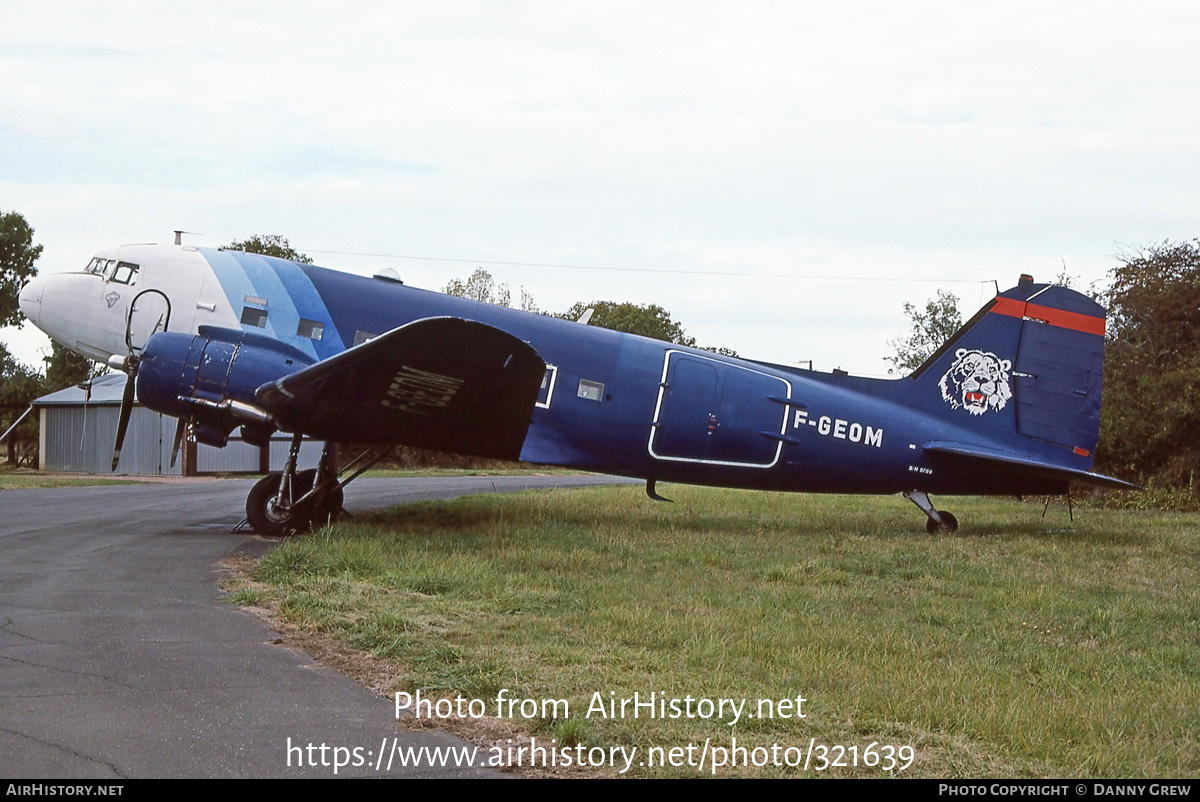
[[180, 232]]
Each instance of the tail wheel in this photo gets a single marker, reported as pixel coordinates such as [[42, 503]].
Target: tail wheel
[[270, 517], [948, 525]]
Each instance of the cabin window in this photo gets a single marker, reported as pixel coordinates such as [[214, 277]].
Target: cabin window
[[592, 391], [124, 273], [361, 337], [254, 317], [310, 329]]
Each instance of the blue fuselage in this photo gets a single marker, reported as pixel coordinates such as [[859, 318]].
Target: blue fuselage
[[630, 405], [1010, 405]]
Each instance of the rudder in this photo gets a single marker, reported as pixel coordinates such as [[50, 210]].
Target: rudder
[[1030, 363]]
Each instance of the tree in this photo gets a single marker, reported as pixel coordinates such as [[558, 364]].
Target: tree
[[930, 329], [480, 286], [65, 367], [1151, 421], [17, 255], [19, 385], [269, 245], [648, 320]]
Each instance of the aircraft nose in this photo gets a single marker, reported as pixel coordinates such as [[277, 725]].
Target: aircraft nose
[[30, 299]]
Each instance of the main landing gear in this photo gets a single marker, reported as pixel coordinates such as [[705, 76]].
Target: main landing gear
[[940, 522], [285, 504]]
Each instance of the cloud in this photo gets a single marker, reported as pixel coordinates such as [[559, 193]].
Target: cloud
[[935, 139]]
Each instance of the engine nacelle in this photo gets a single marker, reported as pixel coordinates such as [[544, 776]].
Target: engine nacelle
[[211, 377]]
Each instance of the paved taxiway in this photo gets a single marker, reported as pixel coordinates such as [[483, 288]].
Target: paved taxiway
[[118, 657]]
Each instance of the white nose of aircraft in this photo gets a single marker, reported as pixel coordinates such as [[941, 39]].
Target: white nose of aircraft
[[70, 308], [30, 299]]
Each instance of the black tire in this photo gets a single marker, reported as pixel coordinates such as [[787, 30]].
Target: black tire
[[326, 509], [948, 526], [269, 519]]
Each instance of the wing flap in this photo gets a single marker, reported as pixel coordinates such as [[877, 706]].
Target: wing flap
[[997, 458], [442, 383]]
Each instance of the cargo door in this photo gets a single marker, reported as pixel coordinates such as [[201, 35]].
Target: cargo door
[[717, 413]]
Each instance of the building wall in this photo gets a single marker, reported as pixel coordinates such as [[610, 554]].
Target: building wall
[[310, 452], [80, 439]]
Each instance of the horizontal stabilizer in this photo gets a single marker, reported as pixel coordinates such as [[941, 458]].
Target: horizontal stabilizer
[[440, 383], [1023, 466]]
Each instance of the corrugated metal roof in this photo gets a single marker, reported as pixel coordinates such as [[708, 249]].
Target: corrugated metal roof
[[105, 389]]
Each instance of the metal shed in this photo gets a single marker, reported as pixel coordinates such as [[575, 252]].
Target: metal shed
[[77, 427]]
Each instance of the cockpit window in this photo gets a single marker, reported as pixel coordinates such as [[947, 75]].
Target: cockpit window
[[100, 266], [124, 273]]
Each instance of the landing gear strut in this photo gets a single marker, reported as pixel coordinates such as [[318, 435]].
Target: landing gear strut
[[288, 503], [940, 522], [277, 506]]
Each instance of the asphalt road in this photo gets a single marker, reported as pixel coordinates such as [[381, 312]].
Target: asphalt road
[[120, 659]]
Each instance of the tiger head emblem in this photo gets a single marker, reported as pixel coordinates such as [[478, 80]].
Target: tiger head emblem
[[977, 381]]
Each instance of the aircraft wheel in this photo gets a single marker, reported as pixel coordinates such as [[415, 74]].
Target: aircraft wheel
[[326, 508], [271, 519], [949, 524]]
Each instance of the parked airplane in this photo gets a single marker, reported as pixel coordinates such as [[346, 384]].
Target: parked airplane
[[222, 339]]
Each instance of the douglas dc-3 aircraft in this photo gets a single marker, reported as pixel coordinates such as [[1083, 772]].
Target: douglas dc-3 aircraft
[[222, 339]]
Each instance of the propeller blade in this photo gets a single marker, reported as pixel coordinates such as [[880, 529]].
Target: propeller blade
[[179, 430], [123, 420]]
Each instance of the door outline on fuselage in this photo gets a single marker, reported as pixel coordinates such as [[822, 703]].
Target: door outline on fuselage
[[549, 380], [721, 368], [162, 324]]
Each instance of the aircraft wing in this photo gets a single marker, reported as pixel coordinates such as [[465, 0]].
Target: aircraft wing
[[442, 383], [996, 458]]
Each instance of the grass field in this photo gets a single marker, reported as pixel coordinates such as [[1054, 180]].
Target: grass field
[[526, 471], [1021, 646], [13, 479], [21, 479]]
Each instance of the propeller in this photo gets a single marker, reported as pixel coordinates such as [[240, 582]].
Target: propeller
[[129, 365]]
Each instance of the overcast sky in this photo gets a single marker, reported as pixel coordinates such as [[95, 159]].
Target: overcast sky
[[825, 155]]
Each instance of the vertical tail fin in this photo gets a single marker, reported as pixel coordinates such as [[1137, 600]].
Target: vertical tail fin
[[1027, 365]]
